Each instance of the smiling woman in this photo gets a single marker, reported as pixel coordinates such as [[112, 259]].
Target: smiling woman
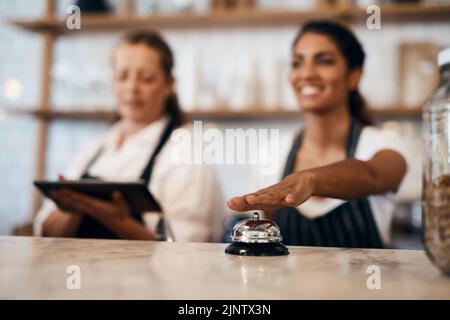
[[341, 172], [333, 60]]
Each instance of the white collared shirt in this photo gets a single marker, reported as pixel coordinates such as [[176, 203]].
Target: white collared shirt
[[189, 194]]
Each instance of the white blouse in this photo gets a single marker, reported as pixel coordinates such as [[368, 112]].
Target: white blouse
[[189, 194]]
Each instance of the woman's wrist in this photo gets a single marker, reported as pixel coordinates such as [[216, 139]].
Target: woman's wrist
[[307, 182]]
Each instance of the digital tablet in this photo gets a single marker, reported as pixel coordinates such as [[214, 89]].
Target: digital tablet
[[136, 193]]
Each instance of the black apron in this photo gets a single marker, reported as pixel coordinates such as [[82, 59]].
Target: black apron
[[91, 228], [349, 225]]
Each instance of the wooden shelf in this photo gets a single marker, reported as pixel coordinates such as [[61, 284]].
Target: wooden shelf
[[404, 13], [174, 21], [237, 18], [69, 115], [208, 115]]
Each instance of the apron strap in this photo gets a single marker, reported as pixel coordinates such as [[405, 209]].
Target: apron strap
[[91, 162], [352, 142], [147, 173]]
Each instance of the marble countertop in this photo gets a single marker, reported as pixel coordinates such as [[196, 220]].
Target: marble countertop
[[37, 268]]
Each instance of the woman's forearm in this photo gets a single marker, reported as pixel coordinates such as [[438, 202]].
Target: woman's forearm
[[61, 224], [348, 179], [354, 178], [127, 228]]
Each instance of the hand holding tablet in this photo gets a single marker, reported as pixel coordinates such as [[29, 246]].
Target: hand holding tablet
[[136, 194]]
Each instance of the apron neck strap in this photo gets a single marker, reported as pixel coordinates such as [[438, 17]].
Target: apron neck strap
[[147, 173], [352, 142]]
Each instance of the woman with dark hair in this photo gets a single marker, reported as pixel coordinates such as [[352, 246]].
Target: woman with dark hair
[[139, 146], [342, 172]]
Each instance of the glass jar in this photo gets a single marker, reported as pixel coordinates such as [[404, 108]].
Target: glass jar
[[436, 170]]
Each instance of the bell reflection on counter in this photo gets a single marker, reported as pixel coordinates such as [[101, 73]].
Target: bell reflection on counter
[[263, 271], [255, 237]]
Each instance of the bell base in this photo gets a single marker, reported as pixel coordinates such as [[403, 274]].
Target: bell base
[[257, 249]]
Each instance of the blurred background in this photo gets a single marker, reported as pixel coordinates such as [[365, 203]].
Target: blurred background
[[232, 66]]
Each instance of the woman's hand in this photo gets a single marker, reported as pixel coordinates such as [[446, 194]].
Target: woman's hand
[[289, 192], [115, 215], [80, 203]]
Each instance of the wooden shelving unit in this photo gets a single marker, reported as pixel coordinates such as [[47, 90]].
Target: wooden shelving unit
[[229, 19], [223, 115], [50, 26], [237, 18]]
